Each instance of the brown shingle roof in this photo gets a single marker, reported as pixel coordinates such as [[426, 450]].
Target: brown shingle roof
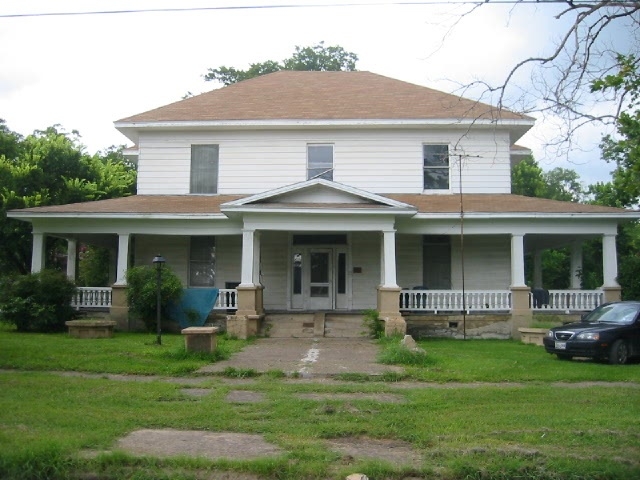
[[497, 203], [292, 95], [210, 204], [143, 204]]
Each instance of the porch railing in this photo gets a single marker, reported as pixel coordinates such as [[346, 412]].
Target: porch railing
[[91, 297], [452, 300], [100, 297], [227, 299], [569, 300]]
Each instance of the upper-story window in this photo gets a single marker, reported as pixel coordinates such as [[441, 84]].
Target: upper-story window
[[320, 161], [436, 167], [204, 168], [202, 261]]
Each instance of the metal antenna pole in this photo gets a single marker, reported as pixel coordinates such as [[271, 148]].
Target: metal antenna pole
[[464, 296]]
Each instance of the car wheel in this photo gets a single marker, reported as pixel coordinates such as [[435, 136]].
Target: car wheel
[[564, 356], [619, 353]]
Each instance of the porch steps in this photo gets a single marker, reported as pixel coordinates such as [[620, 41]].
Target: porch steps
[[309, 325], [289, 325], [343, 326]]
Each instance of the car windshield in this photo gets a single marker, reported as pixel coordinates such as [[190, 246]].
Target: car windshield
[[621, 313]]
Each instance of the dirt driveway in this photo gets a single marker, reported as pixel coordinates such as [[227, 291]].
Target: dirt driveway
[[308, 357]]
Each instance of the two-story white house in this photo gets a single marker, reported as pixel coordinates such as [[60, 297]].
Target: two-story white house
[[321, 193]]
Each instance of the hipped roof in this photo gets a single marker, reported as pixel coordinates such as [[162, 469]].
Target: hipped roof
[[293, 95]]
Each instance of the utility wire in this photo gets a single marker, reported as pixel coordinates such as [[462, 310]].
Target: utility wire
[[296, 6]]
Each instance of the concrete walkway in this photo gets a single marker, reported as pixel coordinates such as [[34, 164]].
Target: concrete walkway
[[308, 357]]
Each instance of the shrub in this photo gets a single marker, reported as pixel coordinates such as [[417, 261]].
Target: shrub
[[142, 292], [37, 302], [373, 323]]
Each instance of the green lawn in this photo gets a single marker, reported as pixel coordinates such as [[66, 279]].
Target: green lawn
[[533, 429], [126, 353]]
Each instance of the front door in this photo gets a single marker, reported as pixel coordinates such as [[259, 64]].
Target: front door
[[320, 280]]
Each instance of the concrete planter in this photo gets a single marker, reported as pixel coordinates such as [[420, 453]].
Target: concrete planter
[[91, 328], [532, 335], [200, 339]]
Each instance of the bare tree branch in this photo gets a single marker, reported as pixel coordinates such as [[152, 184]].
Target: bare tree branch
[[561, 80]]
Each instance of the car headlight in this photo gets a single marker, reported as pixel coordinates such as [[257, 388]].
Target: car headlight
[[588, 336]]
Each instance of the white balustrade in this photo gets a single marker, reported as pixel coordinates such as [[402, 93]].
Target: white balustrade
[[570, 300], [227, 299], [92, 297], [455, 300]]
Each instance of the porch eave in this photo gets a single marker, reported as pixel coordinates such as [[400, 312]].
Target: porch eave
[[29, 216], [630, 215]]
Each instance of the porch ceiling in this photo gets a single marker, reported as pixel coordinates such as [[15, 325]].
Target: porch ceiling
[[533, 242]]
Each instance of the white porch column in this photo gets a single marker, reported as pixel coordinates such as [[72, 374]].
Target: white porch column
[[576, 265], [37, 254], [123, 258], [609, 261], [517, 260], [389, 259], [537, 269], [256, 258], [72, 253], [248, 258]]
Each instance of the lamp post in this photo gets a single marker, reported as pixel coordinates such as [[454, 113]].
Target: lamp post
[[158, 261]]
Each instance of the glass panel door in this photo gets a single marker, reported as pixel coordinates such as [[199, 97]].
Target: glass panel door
[[320, 280]]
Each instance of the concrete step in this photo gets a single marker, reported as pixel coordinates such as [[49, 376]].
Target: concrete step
[[344, 326], [308, 325], [288, 326]]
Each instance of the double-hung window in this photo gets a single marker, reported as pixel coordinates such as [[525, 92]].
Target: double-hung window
[[204, 168], [320, 161], [202, 261], [436, 166]]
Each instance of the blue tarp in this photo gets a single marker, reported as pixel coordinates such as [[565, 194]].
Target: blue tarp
[[194, 306]]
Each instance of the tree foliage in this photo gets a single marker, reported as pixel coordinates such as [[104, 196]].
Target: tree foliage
[[317, 58], [528, 179], [623, 150], [50, 167]]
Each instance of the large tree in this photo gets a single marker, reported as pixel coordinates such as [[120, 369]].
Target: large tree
[[317, 58], [557, 83], [50, 167]]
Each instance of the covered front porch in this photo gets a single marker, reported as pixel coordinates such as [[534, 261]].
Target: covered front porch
[[319, 246]]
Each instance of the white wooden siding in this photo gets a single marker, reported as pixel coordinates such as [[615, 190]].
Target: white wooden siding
[[381, 161], [487, 262], [409, 260], [175, 249], [228, 259], [274, 263], [365, 253]]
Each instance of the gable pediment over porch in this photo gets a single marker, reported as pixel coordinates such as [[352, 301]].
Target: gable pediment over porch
[[318, 195]]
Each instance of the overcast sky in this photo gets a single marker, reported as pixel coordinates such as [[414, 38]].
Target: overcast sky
[[84, 72]]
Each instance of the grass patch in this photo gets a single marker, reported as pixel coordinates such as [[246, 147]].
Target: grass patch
[[450, 360], [125, 353], [394, 353], [233, 372], [532, 431]]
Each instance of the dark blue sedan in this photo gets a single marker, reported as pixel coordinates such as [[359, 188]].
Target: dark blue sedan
[[611, 331]]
